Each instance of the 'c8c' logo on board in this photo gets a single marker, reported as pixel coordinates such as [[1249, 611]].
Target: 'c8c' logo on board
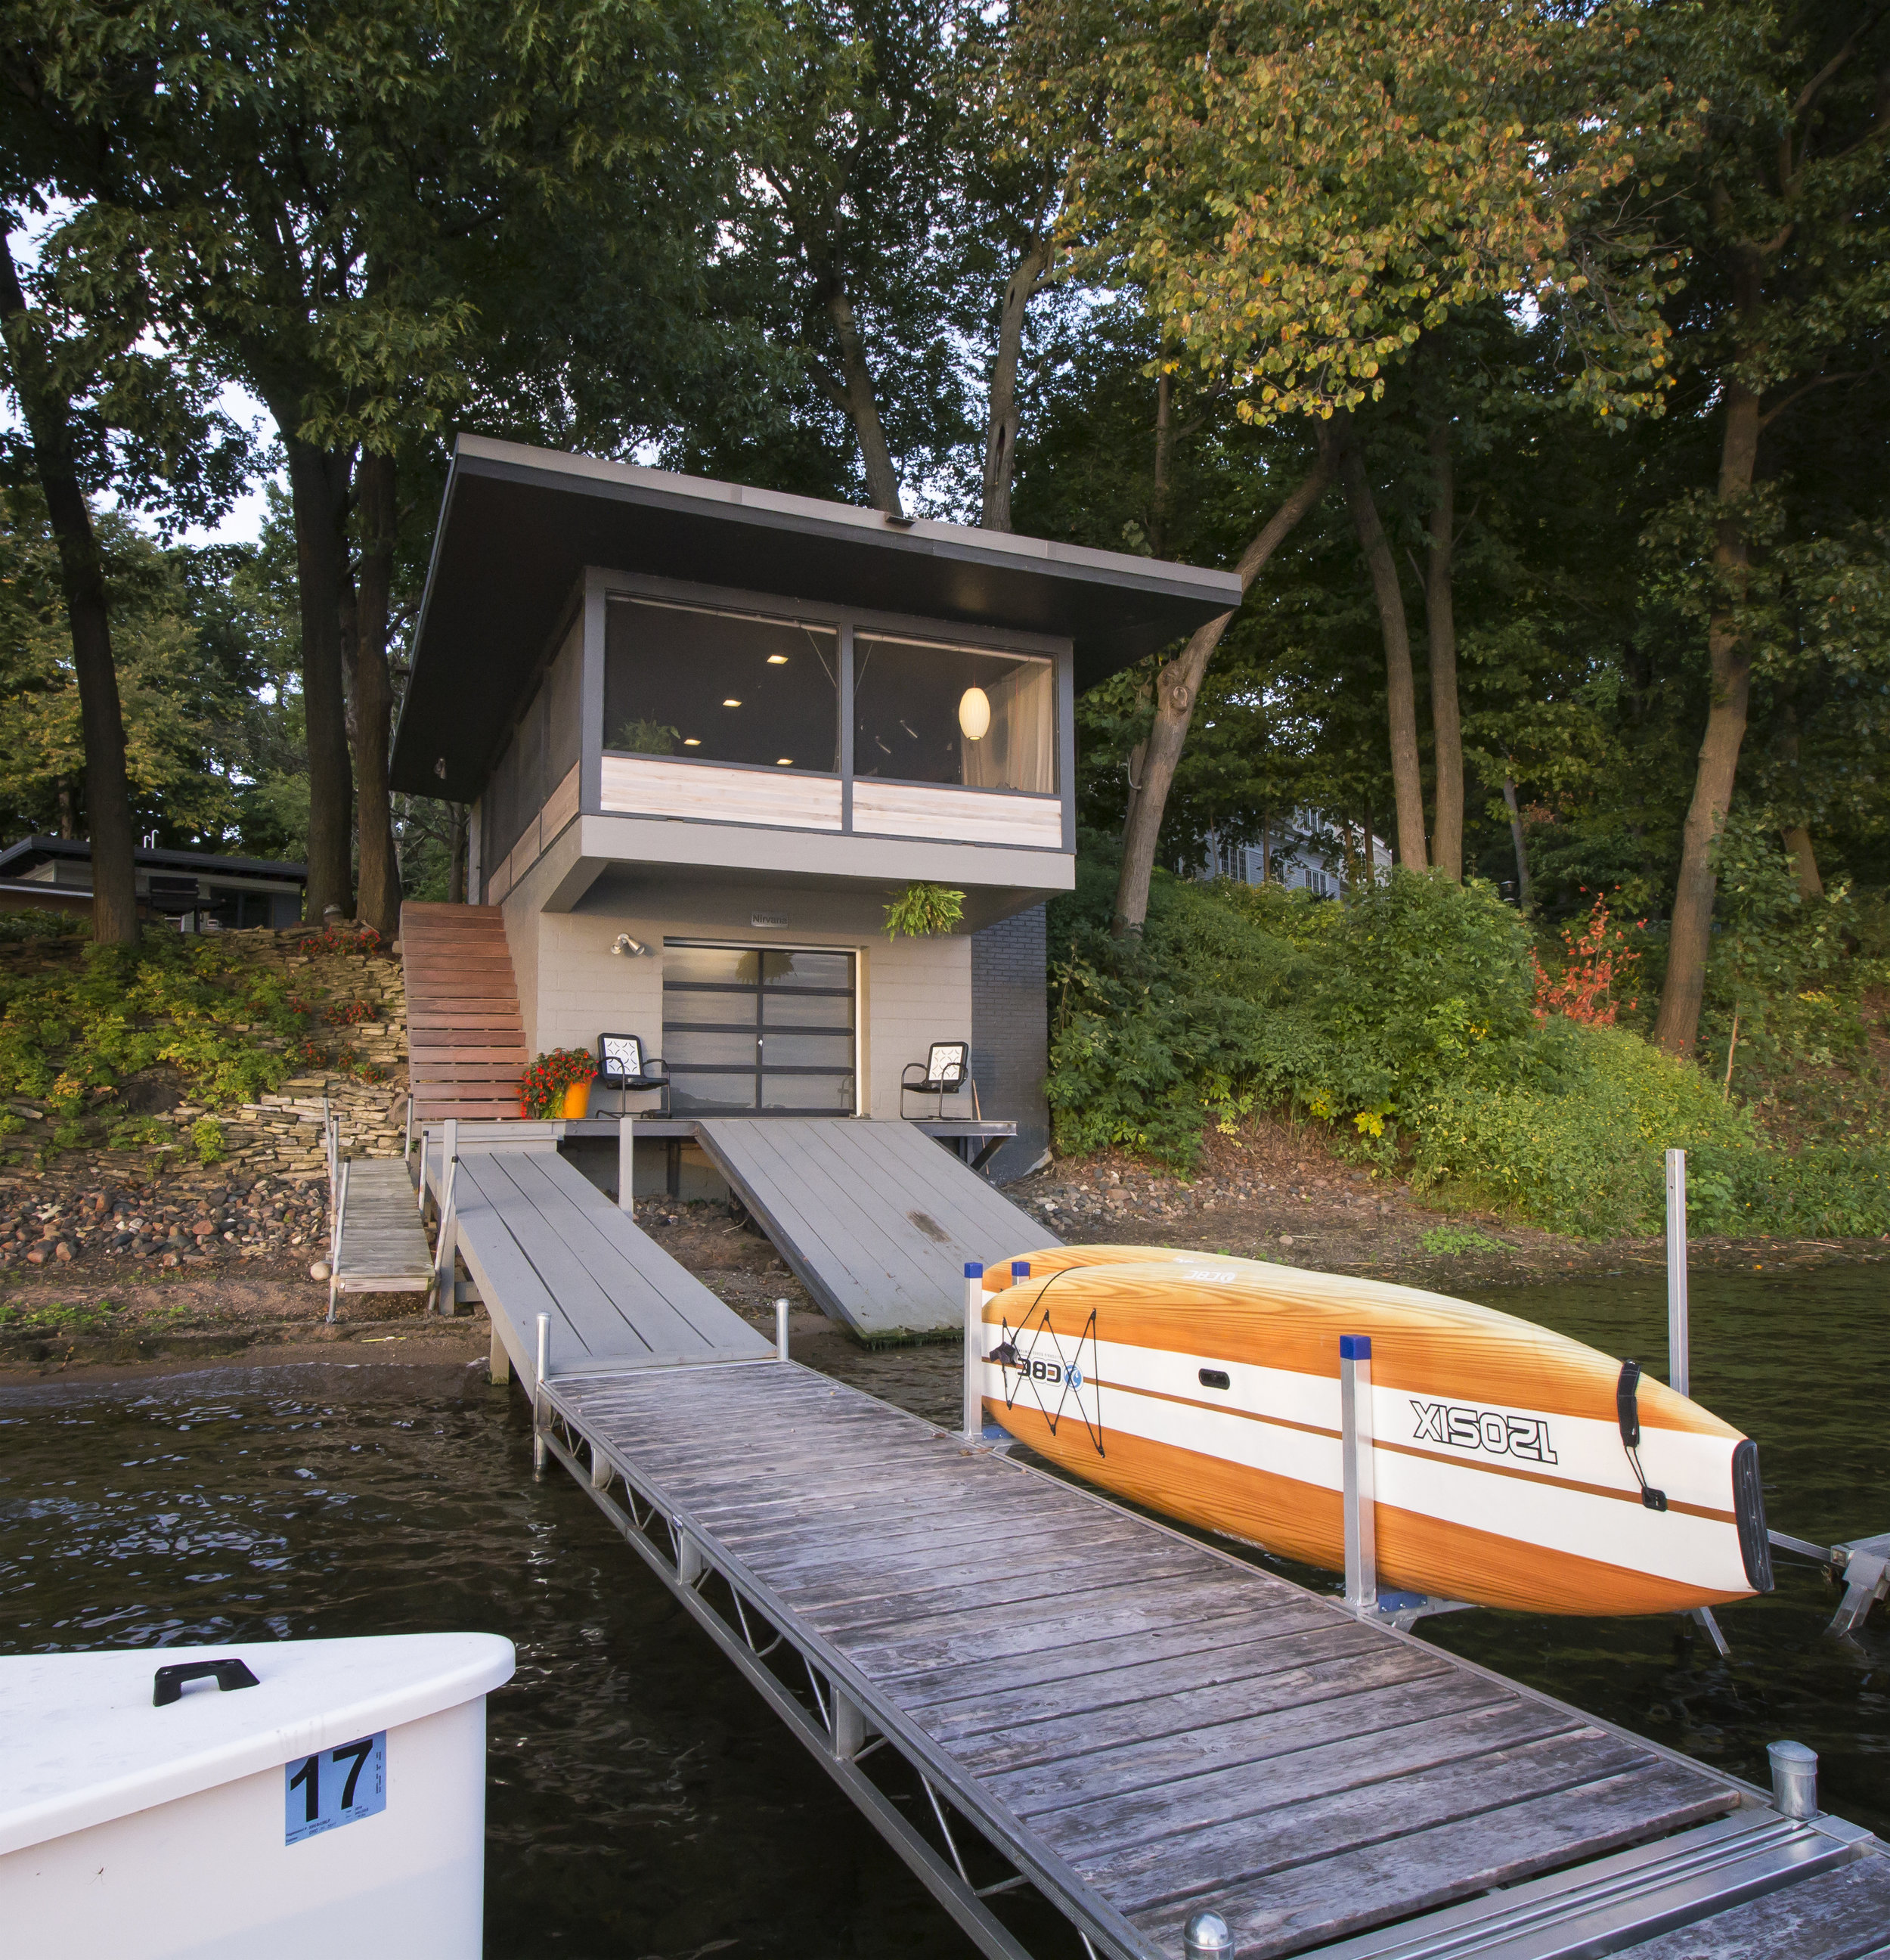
[[1524, 1436]]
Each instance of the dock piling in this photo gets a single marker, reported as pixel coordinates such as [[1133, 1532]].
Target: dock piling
[[1206, 1937], [974, 1350], [1360, 1500], [1794, 1780], [540, 1411], [780, 1330], [1679, 1367]]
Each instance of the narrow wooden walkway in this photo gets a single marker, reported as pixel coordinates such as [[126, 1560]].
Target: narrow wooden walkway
[[380, 1244], [875, 1219], [465, 1038], [1134, 1723], [538, 1237]]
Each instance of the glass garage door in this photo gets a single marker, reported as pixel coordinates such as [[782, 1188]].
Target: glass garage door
[[751, 1030]]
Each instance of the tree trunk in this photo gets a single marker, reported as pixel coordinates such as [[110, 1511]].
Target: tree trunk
[[1446, 728], [1521, 843], [1401, 702], [69, 808], [47, 414], [1797, 842], [1164, 467], [1690, 936], [1176, 687], [857, 398], [374, 480], [1001, 427], [318, 492]]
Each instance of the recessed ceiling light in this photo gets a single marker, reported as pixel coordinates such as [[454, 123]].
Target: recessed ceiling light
[[784, 762], [777, 659], [692, 741], [731, 702]]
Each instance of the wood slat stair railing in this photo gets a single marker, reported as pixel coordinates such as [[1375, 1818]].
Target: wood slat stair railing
[[465, 1037]]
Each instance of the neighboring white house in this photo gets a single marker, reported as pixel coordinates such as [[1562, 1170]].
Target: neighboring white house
[[1308, 852]]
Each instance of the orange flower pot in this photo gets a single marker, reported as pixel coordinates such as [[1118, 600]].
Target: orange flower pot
[[577, 1100]]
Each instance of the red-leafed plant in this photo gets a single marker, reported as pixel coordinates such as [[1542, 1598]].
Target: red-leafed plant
[[1597, 969], [542, 1086]]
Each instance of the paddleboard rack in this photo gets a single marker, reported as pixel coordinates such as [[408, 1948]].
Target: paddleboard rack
[[1863, 1563]]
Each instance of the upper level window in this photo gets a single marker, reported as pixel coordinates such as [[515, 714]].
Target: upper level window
[[720, 687], [929, 714]]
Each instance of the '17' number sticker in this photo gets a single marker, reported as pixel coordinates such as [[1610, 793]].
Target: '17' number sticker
[[334, 1787]]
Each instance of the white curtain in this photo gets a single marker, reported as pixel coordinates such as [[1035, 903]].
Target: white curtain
[[1018, 751]]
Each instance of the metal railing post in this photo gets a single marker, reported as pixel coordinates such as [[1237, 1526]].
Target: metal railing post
[[446, 1247], [974, 1350], [538, 1451], [780, 1330], [1679, 1371], [1357, 1482]]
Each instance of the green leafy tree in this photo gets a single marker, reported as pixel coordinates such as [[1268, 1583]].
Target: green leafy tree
[[1784, 213], [1304, 187]]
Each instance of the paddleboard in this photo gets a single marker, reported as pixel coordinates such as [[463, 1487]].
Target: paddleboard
[[1514, 1466]]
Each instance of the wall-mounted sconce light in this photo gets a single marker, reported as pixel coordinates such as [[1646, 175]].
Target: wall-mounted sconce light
[[634, 948], [731, 702], [439, 769], [777, 659], [974, 714]]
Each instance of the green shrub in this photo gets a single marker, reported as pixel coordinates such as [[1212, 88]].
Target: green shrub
[[1405, 1020], [1580, 1148], [202, 1007], [16, 926], [206, 1139]]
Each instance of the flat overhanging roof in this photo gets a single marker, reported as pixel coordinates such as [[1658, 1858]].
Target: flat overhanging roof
[[519, 525]]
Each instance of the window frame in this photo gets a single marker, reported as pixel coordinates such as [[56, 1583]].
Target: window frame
[[601, 585]]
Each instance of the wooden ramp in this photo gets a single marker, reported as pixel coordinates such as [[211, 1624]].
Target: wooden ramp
[[877, 1220], [538, 1237], [379, 1244], [466, 1039], [1029, 1690]]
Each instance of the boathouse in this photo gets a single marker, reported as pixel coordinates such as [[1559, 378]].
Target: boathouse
[[708, 733]]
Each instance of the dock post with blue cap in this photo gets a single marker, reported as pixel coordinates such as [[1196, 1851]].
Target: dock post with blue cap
[[1361, 1498], [974, 1350]]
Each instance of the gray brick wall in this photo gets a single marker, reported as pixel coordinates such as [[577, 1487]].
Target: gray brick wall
[[1010, 1035]]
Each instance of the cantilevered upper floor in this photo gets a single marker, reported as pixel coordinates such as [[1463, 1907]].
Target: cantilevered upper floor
[[689, 676]]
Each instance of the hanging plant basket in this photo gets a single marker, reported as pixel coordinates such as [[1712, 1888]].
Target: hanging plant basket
[[924, 911]]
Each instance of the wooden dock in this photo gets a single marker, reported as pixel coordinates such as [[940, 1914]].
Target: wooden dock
[[1060, 1712], [1136, 1726]]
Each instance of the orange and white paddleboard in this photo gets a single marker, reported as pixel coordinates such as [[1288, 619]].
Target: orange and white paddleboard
[[1513, 1467]]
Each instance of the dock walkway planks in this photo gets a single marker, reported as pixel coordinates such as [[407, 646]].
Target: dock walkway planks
[[1143, 1724], [379, 1245], [876, 1220], [539, 1237]]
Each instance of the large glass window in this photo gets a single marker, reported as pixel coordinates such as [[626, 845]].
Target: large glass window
[[720, 687], [929, 714], [748, 1028]]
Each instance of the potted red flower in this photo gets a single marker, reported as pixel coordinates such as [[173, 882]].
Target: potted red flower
[[557, 1084]]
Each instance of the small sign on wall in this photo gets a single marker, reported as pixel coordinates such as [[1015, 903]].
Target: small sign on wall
[[763, 921]]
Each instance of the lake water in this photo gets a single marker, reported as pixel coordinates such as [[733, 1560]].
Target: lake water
[[642, 1801]]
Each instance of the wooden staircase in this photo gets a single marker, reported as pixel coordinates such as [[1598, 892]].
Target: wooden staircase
[[466, 1039]]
